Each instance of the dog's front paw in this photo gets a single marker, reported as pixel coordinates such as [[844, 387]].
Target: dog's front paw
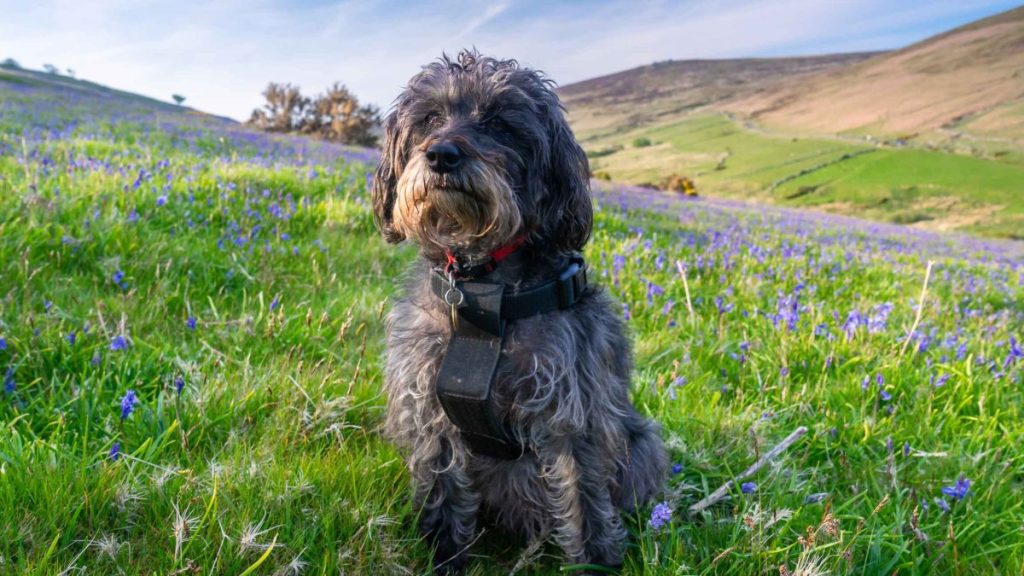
[[449, 559]]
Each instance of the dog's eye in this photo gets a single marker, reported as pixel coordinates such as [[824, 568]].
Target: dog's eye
[[495, 122], [431, 120]]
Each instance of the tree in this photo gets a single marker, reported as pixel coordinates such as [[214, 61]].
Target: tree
[[283, 111], [178, 99], [70, 72], [10, 63], [336, 115], [51, 69]]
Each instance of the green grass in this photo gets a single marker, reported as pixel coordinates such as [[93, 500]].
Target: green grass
[[270, 458], [902, 185]]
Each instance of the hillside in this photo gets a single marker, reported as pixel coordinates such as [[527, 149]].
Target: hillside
[[192, 331], [970, 79], [931, 135], [664, 91]]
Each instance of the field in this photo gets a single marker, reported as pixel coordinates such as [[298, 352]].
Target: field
[[976, 192], [191, 338]]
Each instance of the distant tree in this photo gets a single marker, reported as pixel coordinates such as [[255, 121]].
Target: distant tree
[[178, 99], [51, 69], [641, 142], [336, 115], [70, 72], [284, 110], [10, 63]]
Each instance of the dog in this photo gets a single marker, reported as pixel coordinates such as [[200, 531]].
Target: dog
[[507, 375]]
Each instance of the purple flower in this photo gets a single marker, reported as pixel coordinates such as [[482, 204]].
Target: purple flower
[[161, 200], [128, 402], [906, 449], [190, 323], [941, 503], [47, 305], [115, 451], [660, 515], [118, 343], [677, 468], [275, 302], [118, 277], [959, 490], [3, 343], [71, 337], [179, 384], [885, 395], [9, 380], [748, 487]]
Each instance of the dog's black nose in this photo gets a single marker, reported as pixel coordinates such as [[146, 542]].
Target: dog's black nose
[[443, 157]]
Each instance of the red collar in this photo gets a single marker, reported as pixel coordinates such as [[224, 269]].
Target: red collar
[[495, 257]]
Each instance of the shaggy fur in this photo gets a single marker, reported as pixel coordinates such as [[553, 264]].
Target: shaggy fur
[[562, 384]]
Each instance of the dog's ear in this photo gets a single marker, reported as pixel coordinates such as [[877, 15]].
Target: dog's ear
[[385, 180], [567, 180]]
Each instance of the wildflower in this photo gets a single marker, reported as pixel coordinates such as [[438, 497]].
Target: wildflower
[[161, 200], [179, 384], [128, 402], [906, 449], [118, 343], [9, 380], [71, 337], [190, 323], [941, 503], [748, 487], [885, 395], [47, 305], [625, 311], [959, 490], [677, 468], [3, 343], [115, 451], [118, 277], [275, 302], [660, 515]]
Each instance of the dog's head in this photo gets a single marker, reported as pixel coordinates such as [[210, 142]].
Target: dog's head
[[477, 152]]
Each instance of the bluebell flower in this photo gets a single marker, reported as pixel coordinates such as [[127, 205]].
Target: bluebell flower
[[660, 515], [115, 451], [906, 449], [274, 303], [71, 337], [885, 395], [118, 343], [161, 200], [47, 305], [128, 402], [190, 323], [941, 503], [9, 384], [3, 343], [748, 487], [959, 490], [677, 468], [179, 384]]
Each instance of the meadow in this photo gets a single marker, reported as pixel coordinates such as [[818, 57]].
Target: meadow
[[973, 186], [191, 335]]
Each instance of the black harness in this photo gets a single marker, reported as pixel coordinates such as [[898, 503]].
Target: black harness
[[480, 312]]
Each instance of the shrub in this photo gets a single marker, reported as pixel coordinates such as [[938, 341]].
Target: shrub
[[334, 115], [641, 142], [10, 63]]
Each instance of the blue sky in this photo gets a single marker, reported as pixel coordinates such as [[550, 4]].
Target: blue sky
[[221, 55]]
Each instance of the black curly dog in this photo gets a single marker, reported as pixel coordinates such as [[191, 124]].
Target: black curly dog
[[482, 172]]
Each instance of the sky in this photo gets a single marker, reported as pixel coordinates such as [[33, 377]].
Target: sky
[[221, 55]]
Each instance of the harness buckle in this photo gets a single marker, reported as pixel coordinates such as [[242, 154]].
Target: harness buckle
[[571, 283]]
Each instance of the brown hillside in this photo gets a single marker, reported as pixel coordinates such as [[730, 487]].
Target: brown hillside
[[662, 91], [971, 77]]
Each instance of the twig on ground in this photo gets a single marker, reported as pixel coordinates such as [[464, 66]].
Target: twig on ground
[[767, 457], [686, 288], [920, 307]]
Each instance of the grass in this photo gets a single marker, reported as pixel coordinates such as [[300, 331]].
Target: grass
[[902, 185], [254, 446]]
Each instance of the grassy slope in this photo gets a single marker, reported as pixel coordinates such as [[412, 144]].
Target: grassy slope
[[270, 457], [928, 188], [957, 96]]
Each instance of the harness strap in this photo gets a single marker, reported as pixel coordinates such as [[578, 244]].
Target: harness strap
[[465, 377], [560, 293]]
